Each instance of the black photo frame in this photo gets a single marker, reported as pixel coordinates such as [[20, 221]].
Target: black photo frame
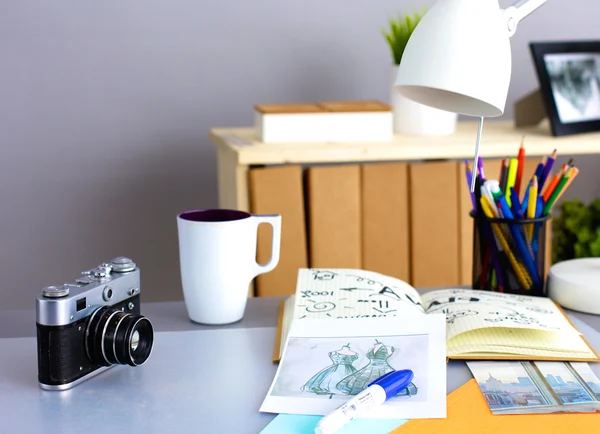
[[569, 78]]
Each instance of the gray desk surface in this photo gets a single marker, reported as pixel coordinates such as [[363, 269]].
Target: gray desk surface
[[204, 380]]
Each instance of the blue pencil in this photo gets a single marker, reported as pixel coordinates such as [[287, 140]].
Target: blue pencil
[[538, 174], [519, 242]]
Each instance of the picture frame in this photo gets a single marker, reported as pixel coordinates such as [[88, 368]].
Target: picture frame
[[569, 78]]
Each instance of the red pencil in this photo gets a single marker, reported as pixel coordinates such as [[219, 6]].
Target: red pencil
[[521, 159]]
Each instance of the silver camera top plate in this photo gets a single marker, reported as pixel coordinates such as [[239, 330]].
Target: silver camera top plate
[[104, 285]]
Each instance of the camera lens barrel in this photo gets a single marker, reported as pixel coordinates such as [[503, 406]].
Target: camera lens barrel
[[117, 337]]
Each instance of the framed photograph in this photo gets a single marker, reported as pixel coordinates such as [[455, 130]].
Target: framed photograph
[[569, 77]]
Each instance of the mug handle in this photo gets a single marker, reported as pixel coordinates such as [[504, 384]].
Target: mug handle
[[275, 221]]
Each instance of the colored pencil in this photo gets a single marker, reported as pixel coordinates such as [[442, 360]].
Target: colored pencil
[[519, 272], [556, 192], [552, 185], [521, 159], [531, 206], [480, 167], [547, 169], [469, 177], [574, 173], [510, 179]]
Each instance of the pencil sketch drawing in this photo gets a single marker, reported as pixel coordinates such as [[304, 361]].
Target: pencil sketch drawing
[[332, 368], [342, 377], [378, 365], [324, 381]]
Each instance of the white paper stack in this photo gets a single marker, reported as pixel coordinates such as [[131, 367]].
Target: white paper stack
[[332, 121]]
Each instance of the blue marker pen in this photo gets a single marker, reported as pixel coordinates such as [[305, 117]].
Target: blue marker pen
[[376, 393]]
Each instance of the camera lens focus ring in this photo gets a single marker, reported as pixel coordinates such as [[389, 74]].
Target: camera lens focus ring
[[117, 337]]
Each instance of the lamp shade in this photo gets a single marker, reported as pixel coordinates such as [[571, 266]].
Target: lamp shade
[[458, 59]]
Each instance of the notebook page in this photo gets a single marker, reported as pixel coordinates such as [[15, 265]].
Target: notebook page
[[499, 352], [490, 338], [348, 293], [468, 309]]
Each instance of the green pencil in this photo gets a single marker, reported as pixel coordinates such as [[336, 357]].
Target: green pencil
[[556, 192]]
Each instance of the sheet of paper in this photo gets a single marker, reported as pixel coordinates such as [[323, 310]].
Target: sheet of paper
[[537, 387], [302, 424], [325, 362], [468, 309], [348, 293]]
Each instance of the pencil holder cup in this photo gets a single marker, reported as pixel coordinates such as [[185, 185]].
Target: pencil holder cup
[[509, 255]]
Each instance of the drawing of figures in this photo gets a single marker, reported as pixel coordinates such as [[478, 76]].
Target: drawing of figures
[[324, 381], [378, 366]]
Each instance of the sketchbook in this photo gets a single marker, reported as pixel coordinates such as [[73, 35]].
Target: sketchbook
[[480, 325]]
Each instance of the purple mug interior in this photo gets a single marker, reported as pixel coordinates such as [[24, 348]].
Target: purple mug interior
[[214, 215]]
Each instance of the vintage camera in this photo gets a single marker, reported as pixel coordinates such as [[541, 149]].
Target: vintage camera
[[90, 325]]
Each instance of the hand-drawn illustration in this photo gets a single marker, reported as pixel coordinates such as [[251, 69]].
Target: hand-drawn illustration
[[324, 381], [378, 366], [452, 316], [515, 317], [323, 275], [538, 310], [365, 279]]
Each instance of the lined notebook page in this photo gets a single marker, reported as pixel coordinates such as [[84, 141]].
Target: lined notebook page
[[468, 310], [518, 341]]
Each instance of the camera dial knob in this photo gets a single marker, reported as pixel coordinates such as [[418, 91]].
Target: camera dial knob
[[55, 291], [122, 264]]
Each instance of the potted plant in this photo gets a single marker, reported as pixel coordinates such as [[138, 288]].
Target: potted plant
[[576, 230], [411, 117]]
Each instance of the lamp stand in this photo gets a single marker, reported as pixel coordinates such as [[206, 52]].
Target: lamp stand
[[530, 110]]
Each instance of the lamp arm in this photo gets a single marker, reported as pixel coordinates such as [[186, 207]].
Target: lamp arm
[[518, 11]]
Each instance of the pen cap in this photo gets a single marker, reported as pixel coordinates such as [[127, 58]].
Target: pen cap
[[393, 382]]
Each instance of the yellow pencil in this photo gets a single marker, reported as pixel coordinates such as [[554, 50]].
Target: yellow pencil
[[531, 204], [521, 273], [511, 178]]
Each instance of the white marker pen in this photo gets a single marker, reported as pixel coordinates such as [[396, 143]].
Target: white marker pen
[[375, 394]]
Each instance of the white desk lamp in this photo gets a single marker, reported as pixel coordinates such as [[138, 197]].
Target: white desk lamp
[[458, 58]]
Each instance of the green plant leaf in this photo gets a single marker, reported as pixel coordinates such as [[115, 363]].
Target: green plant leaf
[[399, 31]]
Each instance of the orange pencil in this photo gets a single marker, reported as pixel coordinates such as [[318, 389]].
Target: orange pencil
[[552, 185]]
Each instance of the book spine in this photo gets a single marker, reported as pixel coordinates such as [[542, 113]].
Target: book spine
[[279, 190], [334, 215], [385, 219]]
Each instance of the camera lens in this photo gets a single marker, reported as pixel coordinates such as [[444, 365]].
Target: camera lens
[[116, 337]]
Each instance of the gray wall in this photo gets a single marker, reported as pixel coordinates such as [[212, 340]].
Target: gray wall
[[105, 109]]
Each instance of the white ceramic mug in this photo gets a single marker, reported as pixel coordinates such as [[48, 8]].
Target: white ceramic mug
[[217, 257]]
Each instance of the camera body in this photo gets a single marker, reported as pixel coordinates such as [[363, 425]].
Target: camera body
[[91, 324]]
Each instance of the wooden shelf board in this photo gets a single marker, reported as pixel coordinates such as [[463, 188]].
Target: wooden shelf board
[[499, 139]]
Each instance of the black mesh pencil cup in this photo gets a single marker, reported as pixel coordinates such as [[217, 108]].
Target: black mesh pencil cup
[[509, 255]]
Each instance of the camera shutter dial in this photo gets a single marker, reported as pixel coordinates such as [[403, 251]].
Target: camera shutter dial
[[55, 291], [122, 264]]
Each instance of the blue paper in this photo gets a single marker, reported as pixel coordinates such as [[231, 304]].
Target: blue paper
[[301, 424]]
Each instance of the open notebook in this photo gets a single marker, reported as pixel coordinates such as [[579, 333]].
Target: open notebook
[[480, 324]]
